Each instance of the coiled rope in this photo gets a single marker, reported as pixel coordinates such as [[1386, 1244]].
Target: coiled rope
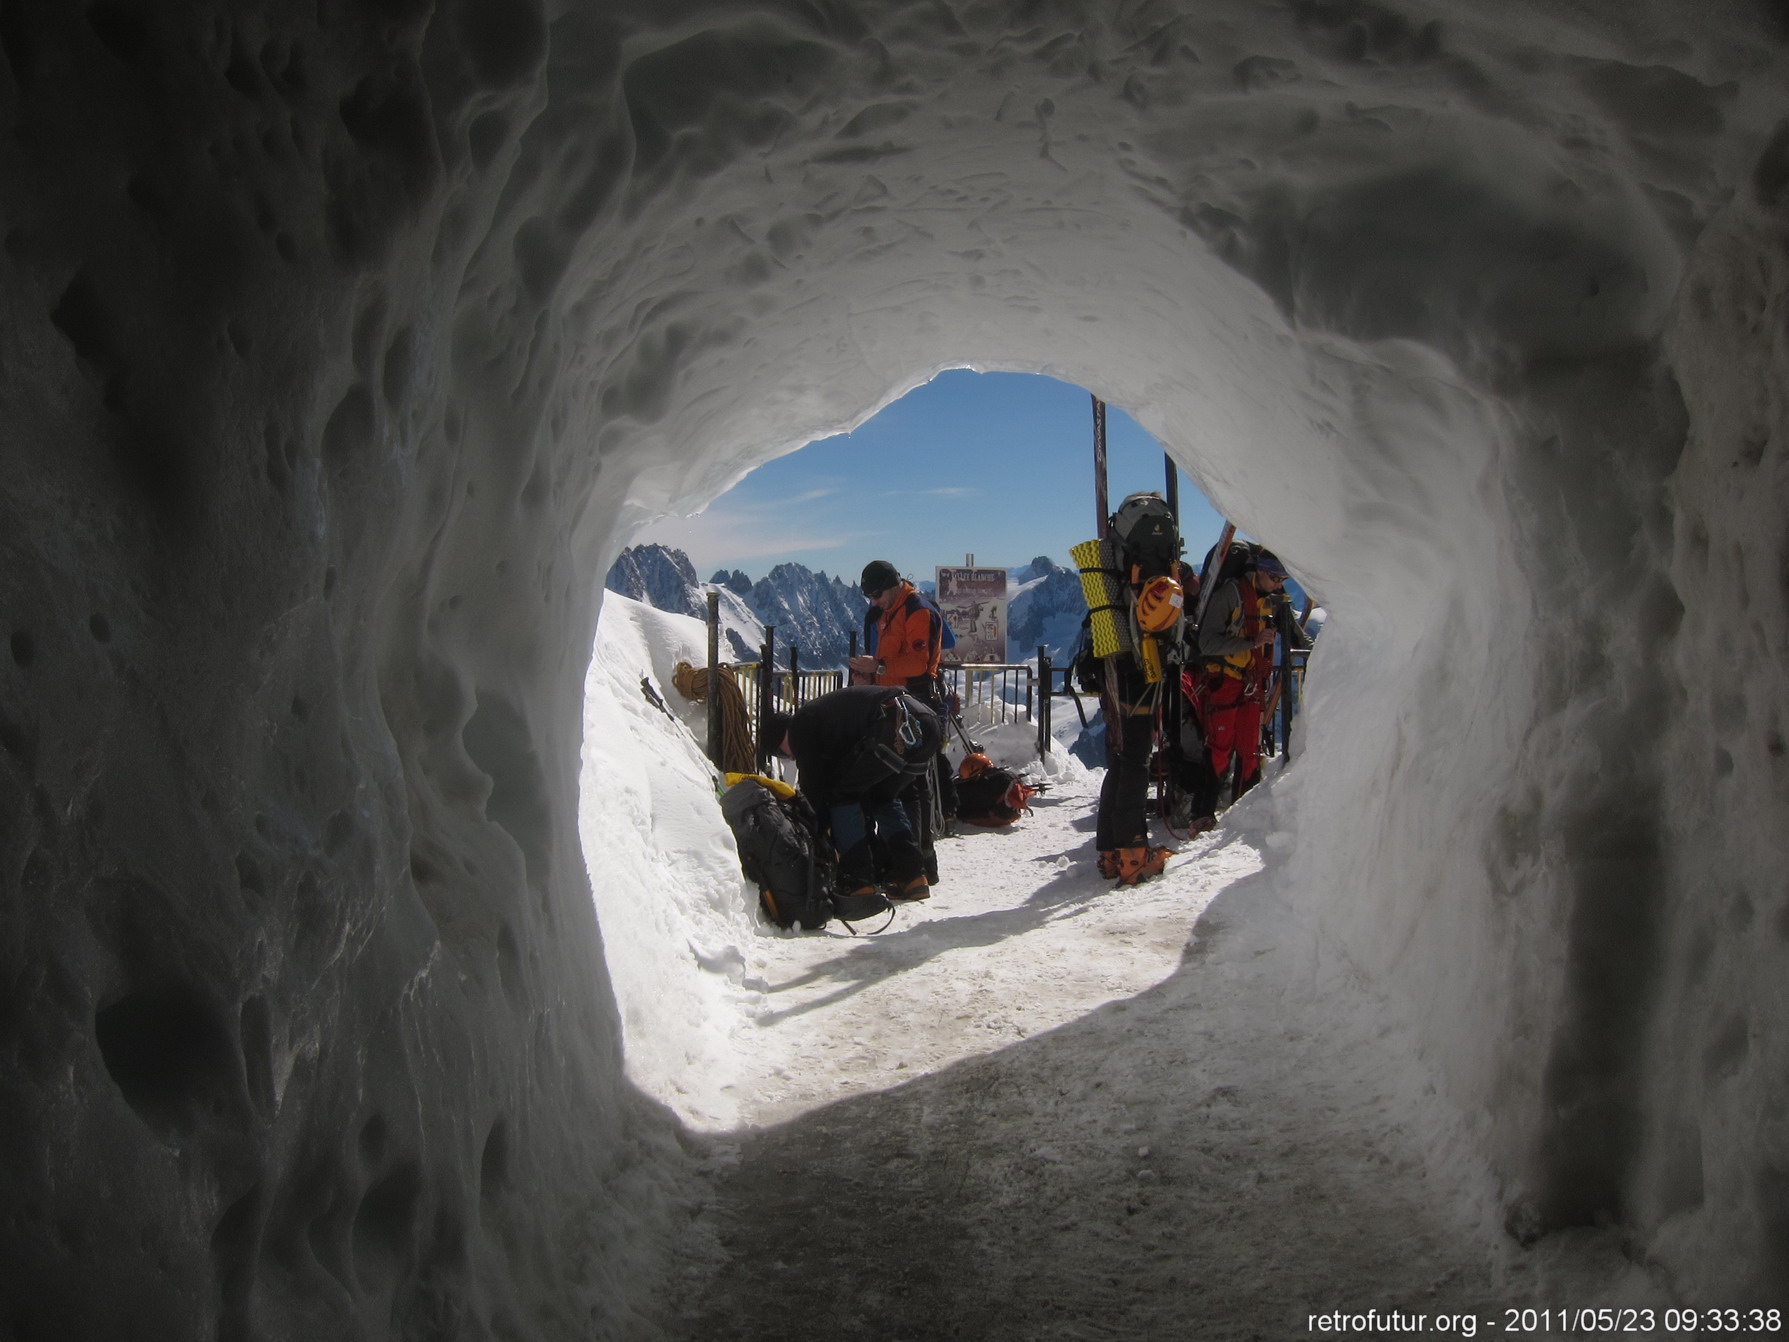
[[738, 753]]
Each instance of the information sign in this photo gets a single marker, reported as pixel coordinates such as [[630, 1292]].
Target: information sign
[[974, 604]]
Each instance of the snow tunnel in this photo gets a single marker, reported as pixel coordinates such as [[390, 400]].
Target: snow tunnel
[[346, 344]]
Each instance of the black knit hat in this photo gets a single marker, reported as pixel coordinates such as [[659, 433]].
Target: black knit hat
[[776, 727], [878, 576]]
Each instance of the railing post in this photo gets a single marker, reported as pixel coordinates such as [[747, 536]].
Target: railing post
[[795, 674], [853, 651], [766, 696], [714, 679], [1044, 675], [1288, 685]]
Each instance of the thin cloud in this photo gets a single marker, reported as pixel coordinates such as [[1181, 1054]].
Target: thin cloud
[[940, 492], [729, 536]]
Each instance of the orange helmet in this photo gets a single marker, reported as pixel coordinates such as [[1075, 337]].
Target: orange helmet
[[974, 764], [1159, 605]]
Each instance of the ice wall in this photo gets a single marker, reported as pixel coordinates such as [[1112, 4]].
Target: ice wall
[[345, 344]]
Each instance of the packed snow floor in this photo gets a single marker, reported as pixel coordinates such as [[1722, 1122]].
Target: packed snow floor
[[1041, 1106], [1038, 1105]]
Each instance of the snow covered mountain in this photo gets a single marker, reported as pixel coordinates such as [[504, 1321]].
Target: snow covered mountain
[[812, 611], [1044, 606], [660, 577]]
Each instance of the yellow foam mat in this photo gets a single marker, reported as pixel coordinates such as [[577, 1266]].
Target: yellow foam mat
[[1102, 586]]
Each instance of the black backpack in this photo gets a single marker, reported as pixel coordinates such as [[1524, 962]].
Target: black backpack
[[1148, 540], [780, 848], [1238, 559]]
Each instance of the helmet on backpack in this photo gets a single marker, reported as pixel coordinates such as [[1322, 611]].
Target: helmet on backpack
[[1160, 605], [974, 763]]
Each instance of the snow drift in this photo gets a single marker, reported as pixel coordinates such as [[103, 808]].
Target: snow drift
[[346, 346]]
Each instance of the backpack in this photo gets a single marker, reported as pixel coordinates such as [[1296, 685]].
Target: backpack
[[992, 797], [1154, 586], [1238, 559], [1148, 539], [780, 848]]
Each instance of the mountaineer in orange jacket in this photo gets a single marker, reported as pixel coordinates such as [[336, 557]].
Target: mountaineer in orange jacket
[[908, 635]]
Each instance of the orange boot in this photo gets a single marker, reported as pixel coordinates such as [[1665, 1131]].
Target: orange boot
[[1108, 863], [1134, 864], [916, 888]]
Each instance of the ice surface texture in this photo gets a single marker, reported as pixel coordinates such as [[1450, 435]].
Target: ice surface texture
[[345, 345]]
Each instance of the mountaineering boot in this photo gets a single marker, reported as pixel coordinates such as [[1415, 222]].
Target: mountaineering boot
[[1108, 863], [1136, 863], [915, 888]]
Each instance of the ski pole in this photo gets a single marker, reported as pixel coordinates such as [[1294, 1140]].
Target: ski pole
[[1218, 555], [962, 731]]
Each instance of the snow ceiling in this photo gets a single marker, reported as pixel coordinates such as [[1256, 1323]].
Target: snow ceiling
[[345, 344]]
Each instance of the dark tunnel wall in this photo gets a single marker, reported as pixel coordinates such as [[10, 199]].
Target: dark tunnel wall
[[344, 344]]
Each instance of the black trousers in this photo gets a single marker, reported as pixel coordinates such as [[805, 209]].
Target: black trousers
[[918, 801], [1124, 796]]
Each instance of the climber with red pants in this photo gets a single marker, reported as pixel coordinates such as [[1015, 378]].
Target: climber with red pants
[[1235, 645]]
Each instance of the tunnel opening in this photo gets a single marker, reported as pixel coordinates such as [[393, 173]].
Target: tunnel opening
[[995, 465]]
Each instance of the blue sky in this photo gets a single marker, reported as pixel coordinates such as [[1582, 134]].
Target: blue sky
[[999, 465]]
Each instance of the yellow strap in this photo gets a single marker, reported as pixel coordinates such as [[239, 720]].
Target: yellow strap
[[776, 785]]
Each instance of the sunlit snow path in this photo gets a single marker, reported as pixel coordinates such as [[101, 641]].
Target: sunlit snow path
[[1042, 1107], [1020, 937]]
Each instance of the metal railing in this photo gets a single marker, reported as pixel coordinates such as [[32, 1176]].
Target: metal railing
[[1000, 692], [1285, 697], [1050, 692], [993, 692]]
